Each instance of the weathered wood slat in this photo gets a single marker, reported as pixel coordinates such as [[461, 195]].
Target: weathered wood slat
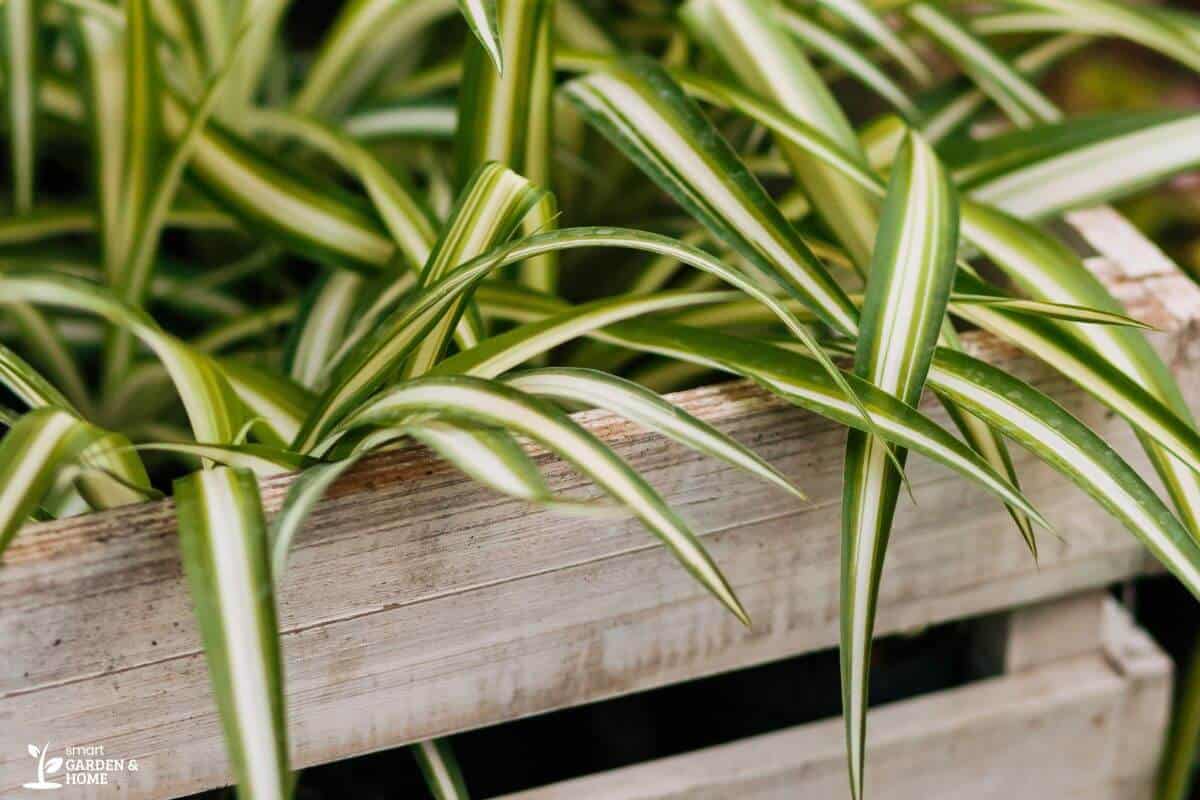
[[1057, 730], [417, 604]]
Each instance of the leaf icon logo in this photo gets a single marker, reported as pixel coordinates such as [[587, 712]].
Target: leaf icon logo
[[44, 767]]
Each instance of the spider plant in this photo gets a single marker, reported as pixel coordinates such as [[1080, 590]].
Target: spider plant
[[274, 257]]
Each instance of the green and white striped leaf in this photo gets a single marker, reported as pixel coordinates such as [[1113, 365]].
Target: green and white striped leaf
[[951, 111], [141, 109], [262, 460], [498, 354], [142, 240], [799, 379], [637, 404], [481, 16], [1023, 102], [366, 35], [28, 384], [322, 325], [1045, 268], [1065, 312], [750, 38], [214, 410], [102, 67], [1054, 435], [863, 20], [46, 346], [443, 777], [489, 403], [404, 216], [507, 350], [1128, 21], [908, 290], [314, 218], [223, 539], [422, 119], [31, 453], [488, 212], [279, 405], [641, 110], [507, 116], [842, 53], [1047, 169], [1095, 373], [22, 59], [111, 474]]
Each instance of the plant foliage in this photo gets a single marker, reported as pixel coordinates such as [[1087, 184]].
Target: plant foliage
[[281, 257]]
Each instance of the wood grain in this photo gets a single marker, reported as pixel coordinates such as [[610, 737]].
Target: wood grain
[[417, 604]]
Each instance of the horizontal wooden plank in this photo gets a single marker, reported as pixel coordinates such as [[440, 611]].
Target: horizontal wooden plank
[[418, 604], [1058, 730]]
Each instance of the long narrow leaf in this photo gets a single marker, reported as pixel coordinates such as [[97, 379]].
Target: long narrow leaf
[[908, 290], [644, 407], [223, 539]]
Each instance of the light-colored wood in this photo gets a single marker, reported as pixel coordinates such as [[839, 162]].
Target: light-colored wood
[[1030, 636], [417, 604], [1147, 703], [1062, 729]]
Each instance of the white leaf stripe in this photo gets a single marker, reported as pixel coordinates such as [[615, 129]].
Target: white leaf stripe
[[365, 31], [502, 352], [1128, 21], [224, 544], [727, 201], [323, 324], [277, 402], [481, 16], [215, 412], [1074, 358], [1038, 423], [264, 195], [30, 453], [418, 119], [27, 384], [490, 457], [21, 23], [441, 771], [1045, 268], [644, 407], [1095, 171], [488, 212], [840, 52], [749, 37], [402, 214], [1021, 101], [863, 20]]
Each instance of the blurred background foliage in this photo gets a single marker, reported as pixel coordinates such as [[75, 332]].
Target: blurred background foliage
[[1115, 76]]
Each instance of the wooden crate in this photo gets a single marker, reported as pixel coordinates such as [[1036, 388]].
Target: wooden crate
[[1077, 717], [418, 604]]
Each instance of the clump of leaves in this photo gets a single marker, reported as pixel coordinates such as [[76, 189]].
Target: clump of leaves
[[284, 258]]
